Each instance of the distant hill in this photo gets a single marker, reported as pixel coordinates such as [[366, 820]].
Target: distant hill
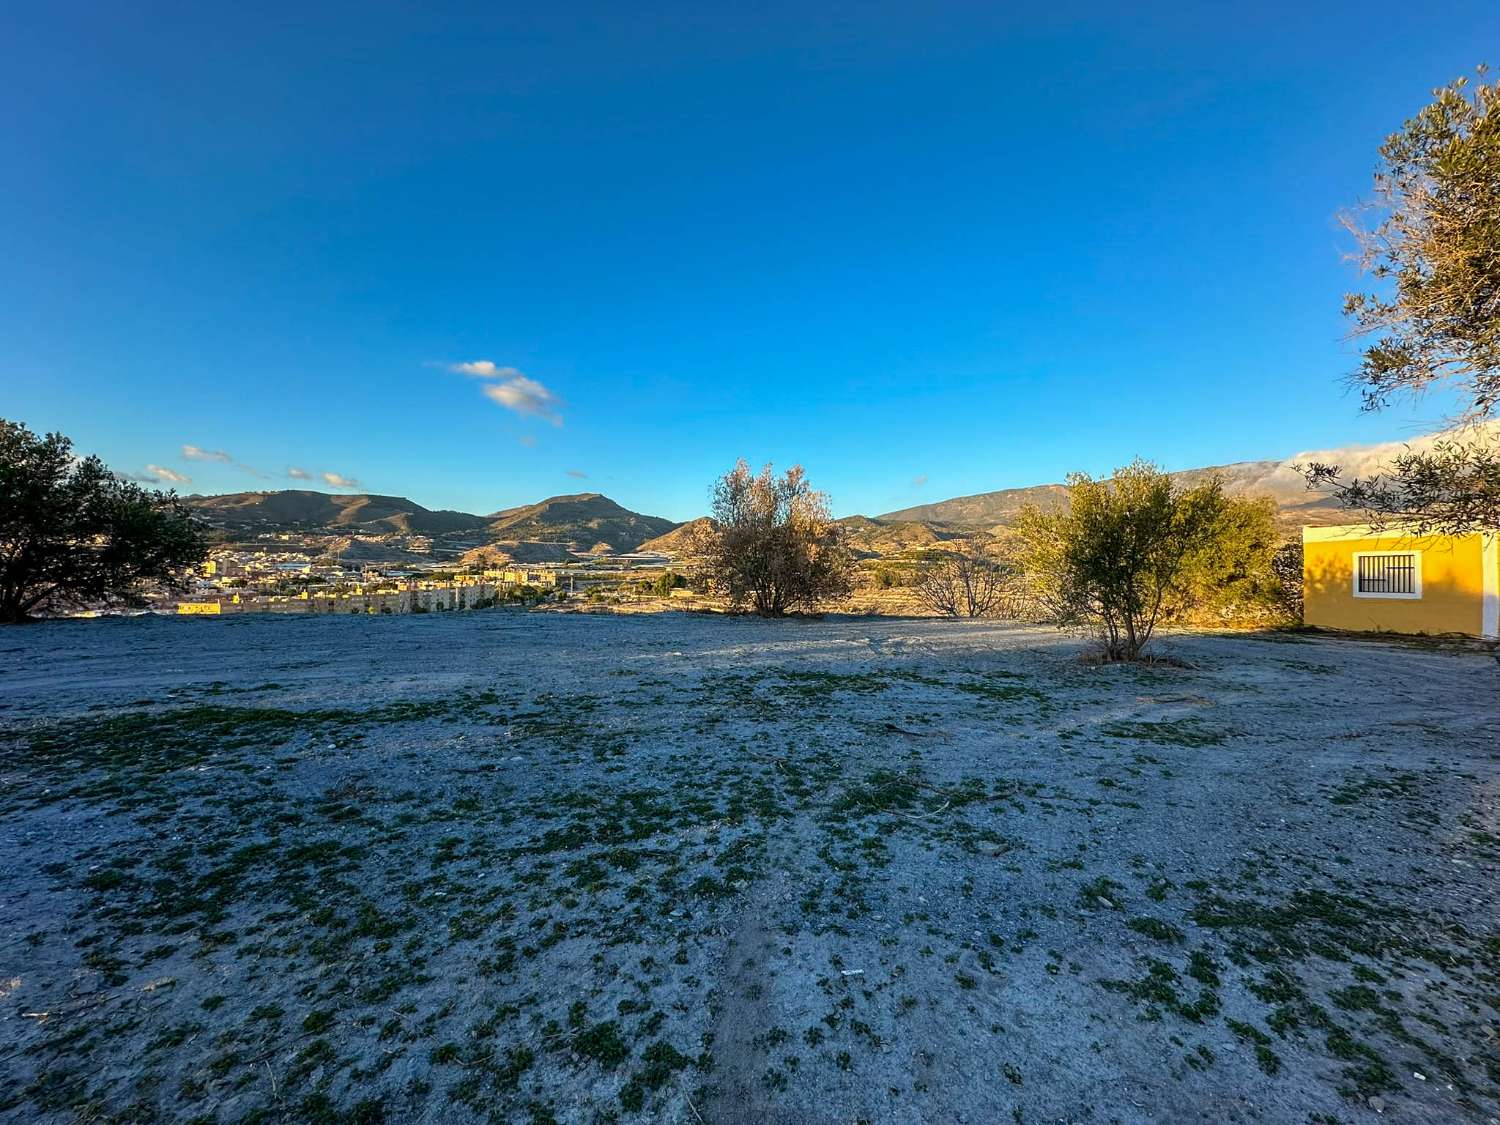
[[678, 541], [890, 536], [300, 509], [586, 521], [984, 509], [1296, 506], [506, 553], [583, 522]]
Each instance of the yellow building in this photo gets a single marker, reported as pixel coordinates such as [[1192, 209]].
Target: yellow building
[[1395, 581]]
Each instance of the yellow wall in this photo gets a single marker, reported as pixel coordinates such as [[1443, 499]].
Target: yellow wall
[[211, 608], [1453, 582]]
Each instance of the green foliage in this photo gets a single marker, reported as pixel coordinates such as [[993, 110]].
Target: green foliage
[[1232, 574], [1437, 246], [73, 533], [1453, 487], [1434, 253], [1127, 550]]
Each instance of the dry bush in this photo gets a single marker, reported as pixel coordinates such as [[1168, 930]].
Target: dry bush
[[773, 546], [965, 585]]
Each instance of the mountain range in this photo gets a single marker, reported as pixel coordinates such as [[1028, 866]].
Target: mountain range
[[585, 521], [297, 509], [588, 521], [1295, 505]]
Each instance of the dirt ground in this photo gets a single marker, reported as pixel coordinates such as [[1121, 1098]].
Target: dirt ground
[[521, 867]]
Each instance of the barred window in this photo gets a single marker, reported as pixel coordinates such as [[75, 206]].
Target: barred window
[[1387, 574]]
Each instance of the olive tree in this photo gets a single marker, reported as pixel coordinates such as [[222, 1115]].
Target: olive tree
[[73, 533], [772, 545], [1430, 241], [1231, 576], [1118, 556]]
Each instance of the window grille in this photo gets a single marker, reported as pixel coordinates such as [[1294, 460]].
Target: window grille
[[1387, 574]]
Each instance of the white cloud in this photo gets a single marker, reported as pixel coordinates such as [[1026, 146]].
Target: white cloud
[[578, 473], [337, 481], [298, 474], [484, 369], [527, 396], [194, 453], [161, 474], [528, 440], [919, 481], [514, 391], [198, 453]]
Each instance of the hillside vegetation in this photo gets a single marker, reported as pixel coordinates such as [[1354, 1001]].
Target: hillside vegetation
[[585, 521]]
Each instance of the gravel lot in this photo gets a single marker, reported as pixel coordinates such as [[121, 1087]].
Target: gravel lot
[[525, 867]]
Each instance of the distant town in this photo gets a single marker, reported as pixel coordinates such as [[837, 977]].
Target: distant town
[[285, 572]]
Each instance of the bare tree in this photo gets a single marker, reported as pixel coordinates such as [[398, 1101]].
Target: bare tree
[[772, 544], [962, 585]]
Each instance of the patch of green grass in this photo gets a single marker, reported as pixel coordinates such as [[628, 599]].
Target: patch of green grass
[[1001, 687], [316, 1023], [1158, 889], [1156, 929], [1356, 998], [1156, 991], [1368, 1073], [1309, 914], [1102, 891], [1203, 968], [662, 1061], [807, 685], [881, 791], [603, 1043], [1396, 785], [1190, 733], [1260, 1042]]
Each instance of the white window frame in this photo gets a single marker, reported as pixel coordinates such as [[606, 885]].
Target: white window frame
[[1416, 559]]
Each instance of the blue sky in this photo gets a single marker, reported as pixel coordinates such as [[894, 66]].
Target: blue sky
[[924, 249]]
